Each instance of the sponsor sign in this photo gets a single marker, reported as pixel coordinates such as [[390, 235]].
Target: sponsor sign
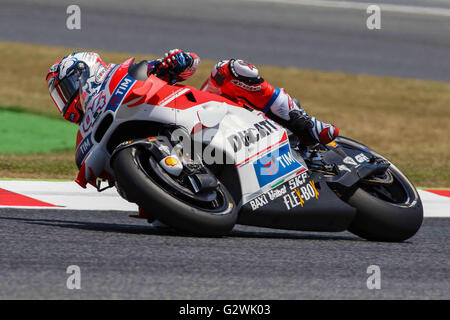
[[83, 148], [251, 135], [245, 86], [275, 165], [361, 158], [299, 195], [120, 92], [279, 192], [350, 161]]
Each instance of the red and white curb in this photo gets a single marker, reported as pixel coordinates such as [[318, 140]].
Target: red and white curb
[[68, 195], [60, 195]]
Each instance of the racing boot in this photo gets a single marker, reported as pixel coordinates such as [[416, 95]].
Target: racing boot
[[309, 130]]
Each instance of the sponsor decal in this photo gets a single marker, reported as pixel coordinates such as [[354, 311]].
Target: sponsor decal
[[271, 195], [349, 160], [120, 92], [298, 181], [300, 195], [173, 96], [101, 103], [171, 161], [361, 158], [83, 148], [259, 202], [276, 193], [275, 165], [343, 167], [87, 121], [251, 135], [333, 144], [245, 86], [100, 75], [280, 191]]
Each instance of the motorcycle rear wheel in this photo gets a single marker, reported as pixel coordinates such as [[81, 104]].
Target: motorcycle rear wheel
[[386, 212], [140, 186]]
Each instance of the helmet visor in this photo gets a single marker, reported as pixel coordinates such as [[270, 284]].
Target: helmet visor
[[65, 90]]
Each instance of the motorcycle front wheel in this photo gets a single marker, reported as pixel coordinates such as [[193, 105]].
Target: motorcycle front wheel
[[139, 177]]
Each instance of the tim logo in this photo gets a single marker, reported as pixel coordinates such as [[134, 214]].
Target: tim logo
[[270, 166], [83, 149], [120, 92], [275, 164]]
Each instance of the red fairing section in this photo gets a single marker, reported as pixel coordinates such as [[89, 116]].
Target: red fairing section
[[155, 91], [118, 75], [81, 178], [79, 139], [184, 97]]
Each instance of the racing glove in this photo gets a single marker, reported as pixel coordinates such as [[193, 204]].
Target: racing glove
[[173, 64]]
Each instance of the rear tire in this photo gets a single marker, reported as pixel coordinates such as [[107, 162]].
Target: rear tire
[[377, 218], [140, 188]]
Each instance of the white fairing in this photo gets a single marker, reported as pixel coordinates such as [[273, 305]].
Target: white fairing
[[237, 136]]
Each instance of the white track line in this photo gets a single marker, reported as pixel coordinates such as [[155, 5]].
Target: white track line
[[68, 195], [385, 7]]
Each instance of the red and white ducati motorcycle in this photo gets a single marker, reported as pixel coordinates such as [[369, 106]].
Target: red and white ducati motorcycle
[[200, 164]]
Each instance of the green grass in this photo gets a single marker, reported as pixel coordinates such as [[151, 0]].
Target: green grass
[[25, 133], [406, 120]]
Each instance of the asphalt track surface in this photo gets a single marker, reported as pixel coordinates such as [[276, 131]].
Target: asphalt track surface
[[124, 258], [320, 36]]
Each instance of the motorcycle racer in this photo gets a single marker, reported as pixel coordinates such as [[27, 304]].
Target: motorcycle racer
[[74, 81], [239, 81]]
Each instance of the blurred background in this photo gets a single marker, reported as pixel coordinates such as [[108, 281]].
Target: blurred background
[[388, 88]]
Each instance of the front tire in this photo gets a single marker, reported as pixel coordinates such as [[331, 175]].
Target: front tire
[[163, 205]]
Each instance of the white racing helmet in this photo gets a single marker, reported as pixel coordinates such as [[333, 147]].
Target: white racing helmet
[[68, 77]]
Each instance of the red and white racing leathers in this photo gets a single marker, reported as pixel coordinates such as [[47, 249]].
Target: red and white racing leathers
[[241, 82]]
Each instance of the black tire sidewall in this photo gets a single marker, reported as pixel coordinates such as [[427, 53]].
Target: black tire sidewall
[[139, 188], [378, 220]]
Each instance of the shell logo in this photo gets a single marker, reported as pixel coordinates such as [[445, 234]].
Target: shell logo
[[171, 161], [333, 144]]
